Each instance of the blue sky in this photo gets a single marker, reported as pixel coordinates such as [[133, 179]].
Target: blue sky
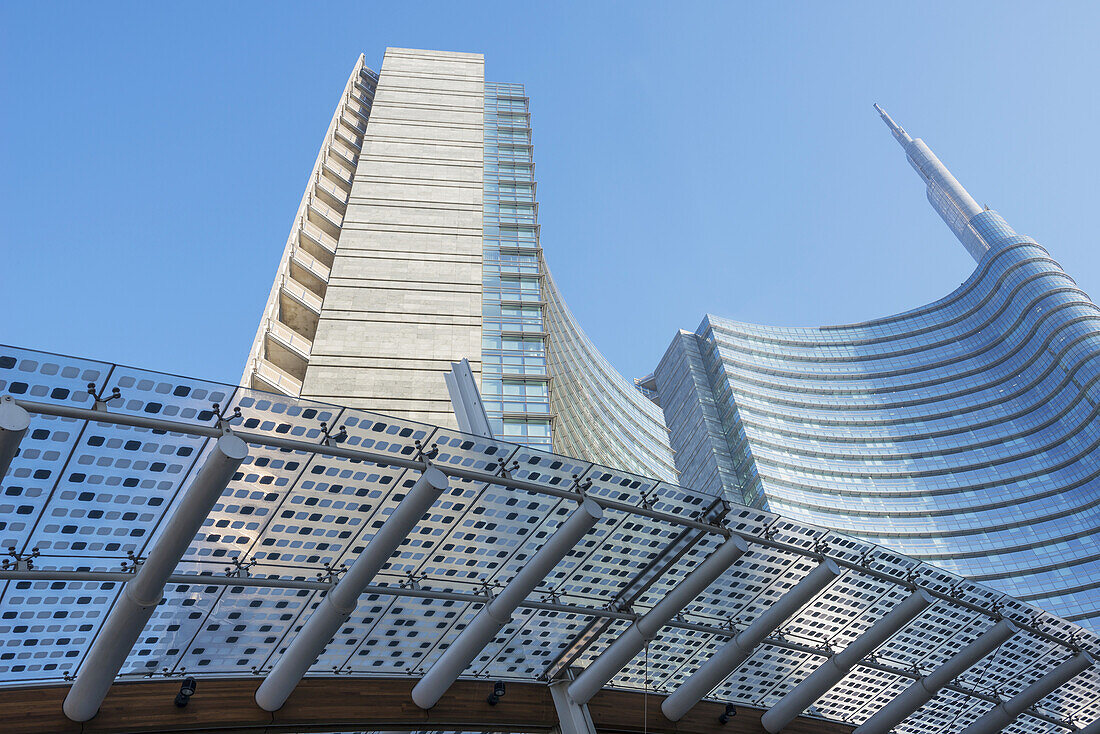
[[691, 157]]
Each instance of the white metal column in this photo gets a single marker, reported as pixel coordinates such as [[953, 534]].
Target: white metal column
[[797, 700], [14, 422], [140, 595], [737, 650], [924, 689], [497, 613], [573, 718], [1005, 713], [340, 602], [634, 638]]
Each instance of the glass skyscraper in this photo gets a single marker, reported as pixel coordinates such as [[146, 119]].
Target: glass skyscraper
[[960, 433]]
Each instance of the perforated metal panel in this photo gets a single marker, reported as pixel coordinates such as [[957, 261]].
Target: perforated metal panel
[[92, 496]]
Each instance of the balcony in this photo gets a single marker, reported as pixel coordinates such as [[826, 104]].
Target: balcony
[[349, 155], [289, 339], [325, 217], [353, 122], [299, 309], [352, 140], [332, 195], [269, 378], [286, 350], [309, 271], [338, 173], [364, 89], [317, 242], [361, 111]]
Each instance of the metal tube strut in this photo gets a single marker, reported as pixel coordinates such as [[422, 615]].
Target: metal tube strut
[[924, 689], [139, 596], [631, 642], [14, 422], [1005, 713], [497, 613], [829, 673], [738, 649], [339, 603]]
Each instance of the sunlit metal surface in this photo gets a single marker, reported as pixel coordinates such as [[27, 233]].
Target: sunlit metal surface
[[91, 496]]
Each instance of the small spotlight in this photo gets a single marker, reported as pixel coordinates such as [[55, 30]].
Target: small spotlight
[[497, 694], [730, 712], [187, 689]]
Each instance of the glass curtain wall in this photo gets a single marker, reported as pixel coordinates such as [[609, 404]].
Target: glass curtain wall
[[515, 384]]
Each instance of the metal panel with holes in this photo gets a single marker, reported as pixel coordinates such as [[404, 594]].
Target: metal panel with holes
[[89, 495]]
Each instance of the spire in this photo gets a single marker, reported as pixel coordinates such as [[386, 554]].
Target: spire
[[897, 130], [951, 201]]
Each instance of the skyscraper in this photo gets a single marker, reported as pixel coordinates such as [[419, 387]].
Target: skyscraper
[[417, 244], [962, 432], [959, 433]]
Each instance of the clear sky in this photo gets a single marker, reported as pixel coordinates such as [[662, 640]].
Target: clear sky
[[716, 157]]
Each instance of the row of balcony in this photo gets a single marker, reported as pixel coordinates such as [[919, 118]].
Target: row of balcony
[[294, 312]]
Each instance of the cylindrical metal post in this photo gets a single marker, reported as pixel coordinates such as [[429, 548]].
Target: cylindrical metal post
[[738, 649], [631, 642], [140, 596], [497, 613], [340, 602], [13, 426], [1005, 713], [797, 700], [924, 689]]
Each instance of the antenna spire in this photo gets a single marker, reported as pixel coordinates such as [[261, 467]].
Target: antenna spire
[[897, 130], [947, 196]]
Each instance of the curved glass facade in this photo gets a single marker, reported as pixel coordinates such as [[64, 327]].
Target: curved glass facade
[[600, 414], [962, 433]]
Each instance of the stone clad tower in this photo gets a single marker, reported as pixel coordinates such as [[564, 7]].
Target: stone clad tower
[[417, 244], [401, 293]]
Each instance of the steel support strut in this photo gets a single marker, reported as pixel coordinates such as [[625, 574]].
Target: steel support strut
[[737, 650], [497, 613], [339, 603], [14, 422], [798, 699], [634, 638], [1005, 713], [139, 596], [924, 689], [466, 400]]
